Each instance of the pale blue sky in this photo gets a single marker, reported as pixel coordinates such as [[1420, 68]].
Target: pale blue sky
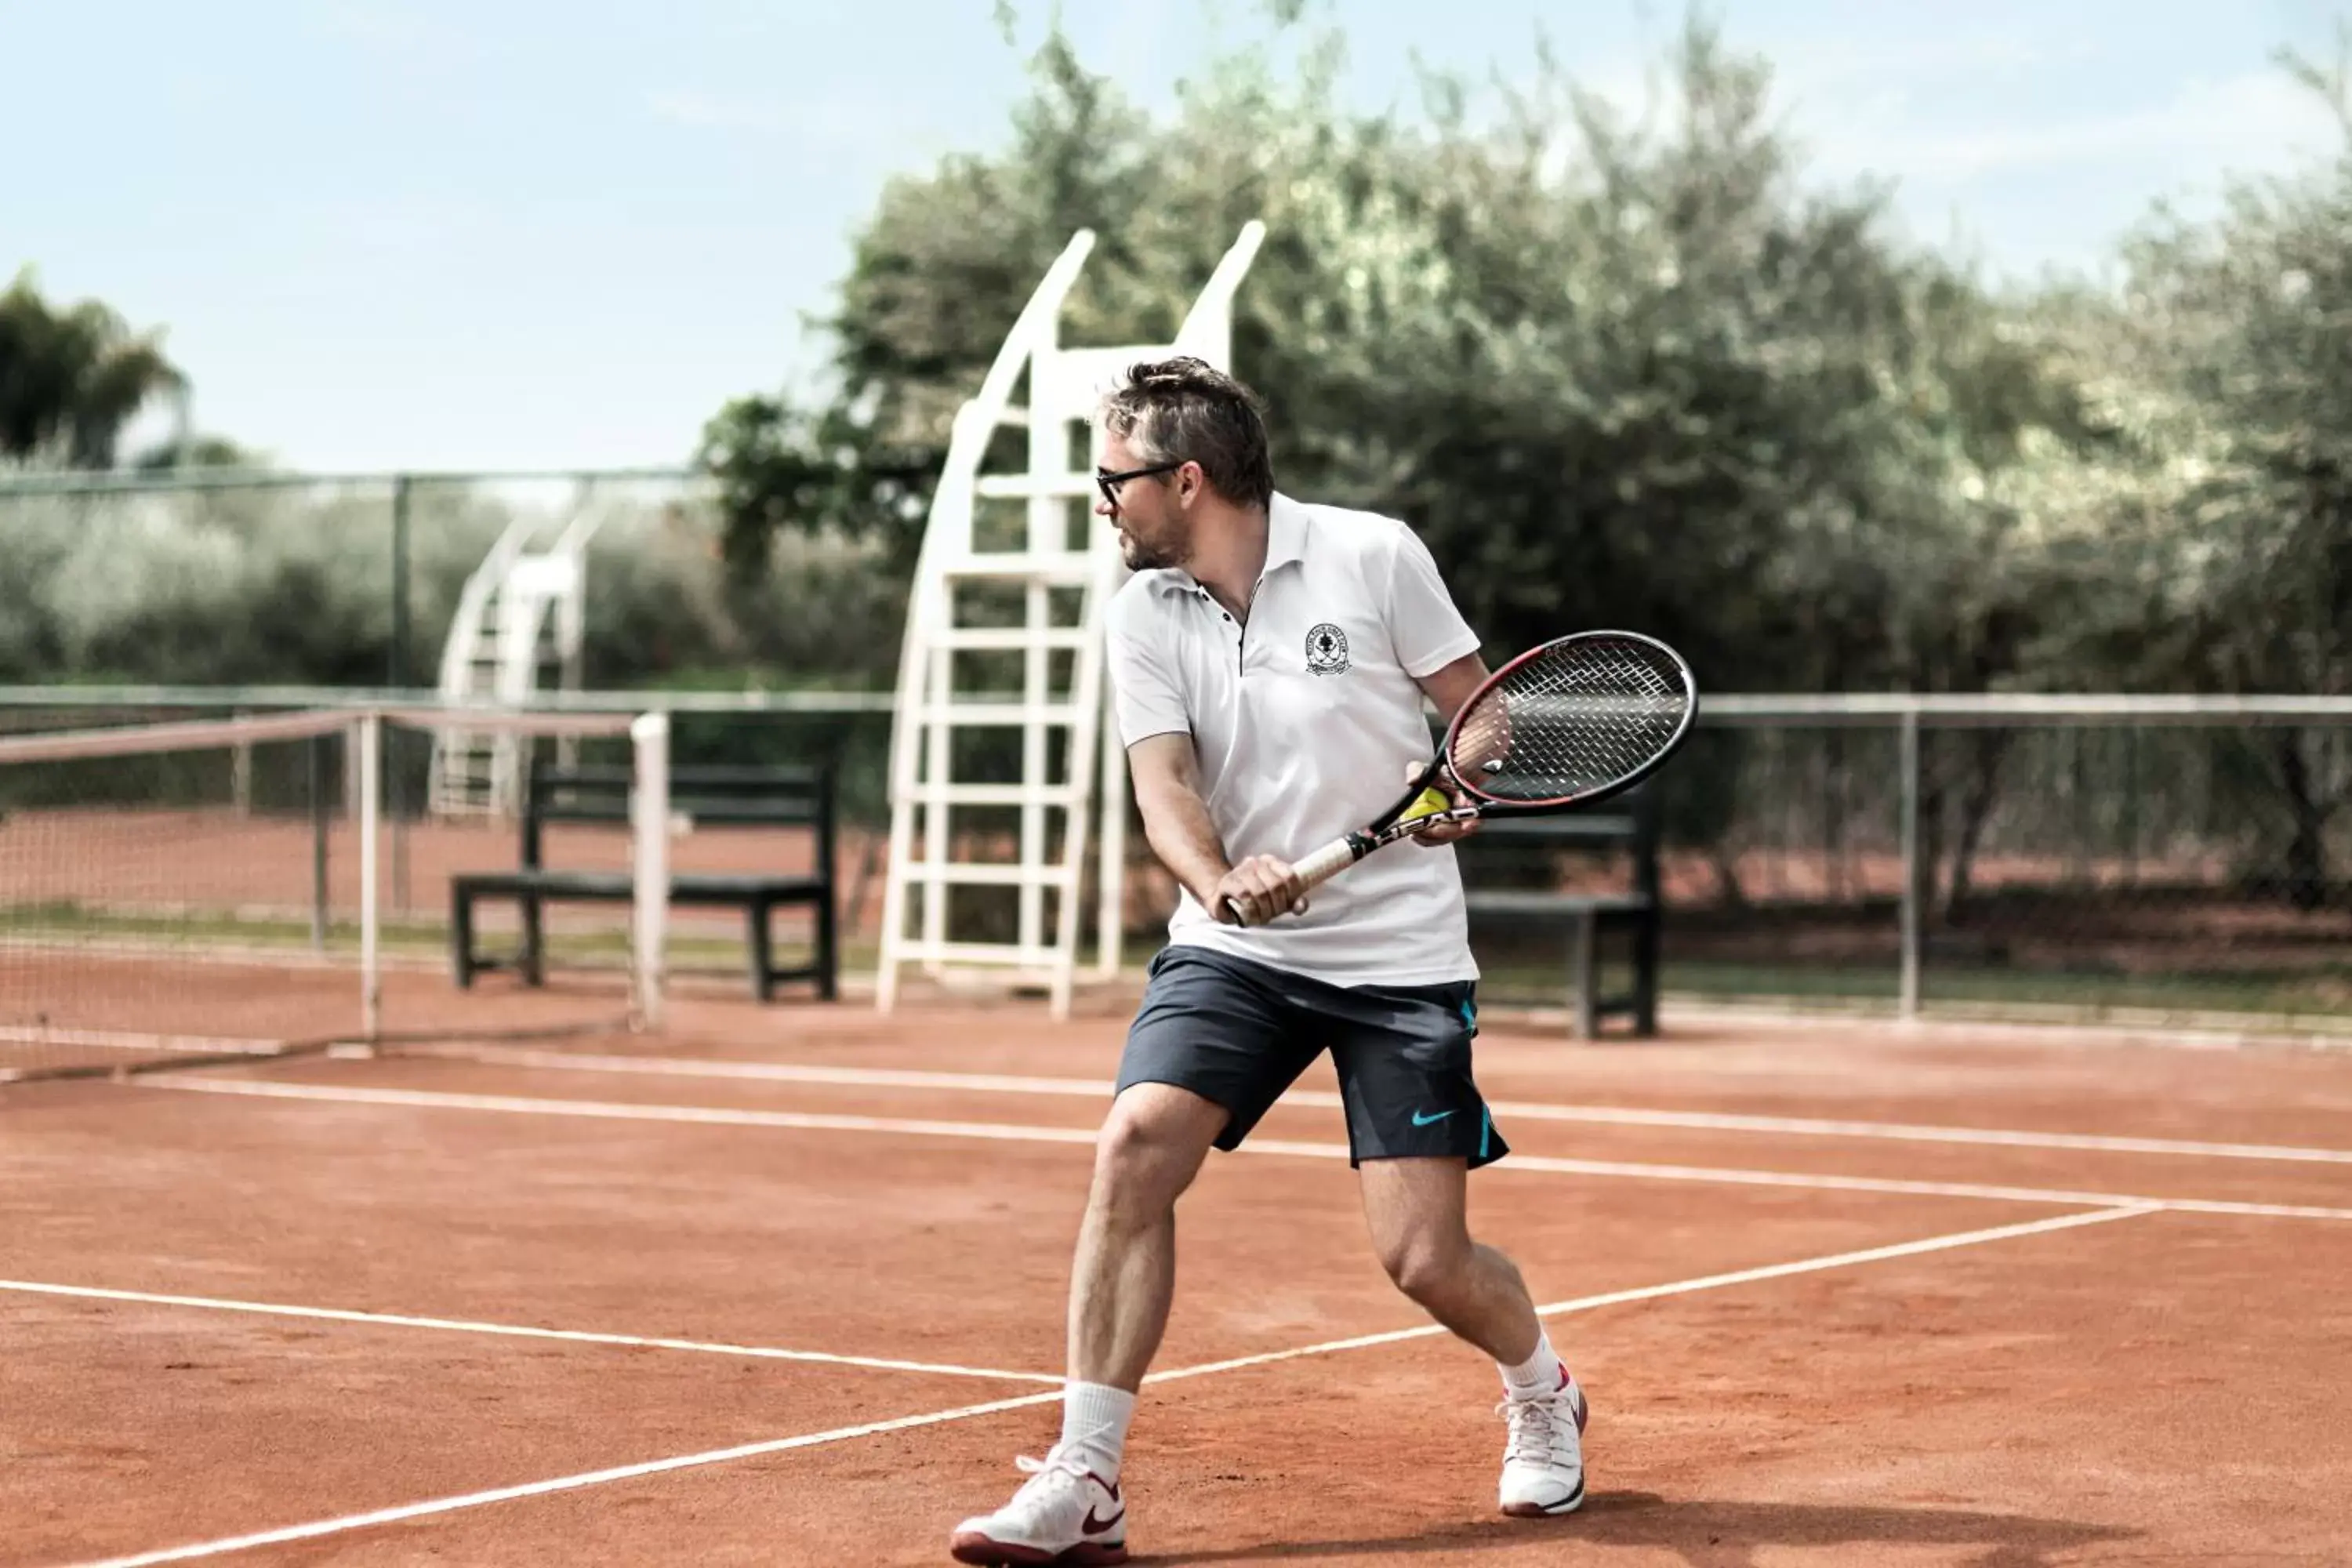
[[517, 233]]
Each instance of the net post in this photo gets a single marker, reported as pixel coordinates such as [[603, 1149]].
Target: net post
[[322, 825], [370, 738], [352, 811], [649, 868], [1908, 1004], [398, 817], [240, 774]]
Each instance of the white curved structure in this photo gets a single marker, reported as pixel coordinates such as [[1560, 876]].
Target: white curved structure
[[987, 589], [522, 615]]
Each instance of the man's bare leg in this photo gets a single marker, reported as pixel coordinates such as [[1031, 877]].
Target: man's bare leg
[[1418, 1211], [1124, 1275]]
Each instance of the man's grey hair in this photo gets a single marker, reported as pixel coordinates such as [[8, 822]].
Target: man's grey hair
[[1186, 410]]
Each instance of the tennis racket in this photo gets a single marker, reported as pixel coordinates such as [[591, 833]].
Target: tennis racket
[[1574, 721]]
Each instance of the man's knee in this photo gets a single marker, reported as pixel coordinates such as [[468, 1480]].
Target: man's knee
[[1150, 1146], [1428, 1265]]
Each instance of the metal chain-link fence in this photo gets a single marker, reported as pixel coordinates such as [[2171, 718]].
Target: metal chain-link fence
[[2176, 860], [2162, 858]]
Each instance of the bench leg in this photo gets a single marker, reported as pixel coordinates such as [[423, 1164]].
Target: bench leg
[[1645, 972], [1584, 1002], [828, 948], [534, 939], [461, 940], [760, 940]]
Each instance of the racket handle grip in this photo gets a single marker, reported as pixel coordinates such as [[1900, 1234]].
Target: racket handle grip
[[1319, 867], [1330, 860]]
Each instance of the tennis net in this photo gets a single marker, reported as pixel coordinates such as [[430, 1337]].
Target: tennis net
[[178, 892]]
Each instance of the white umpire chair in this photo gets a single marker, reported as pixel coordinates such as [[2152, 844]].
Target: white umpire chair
[[993, 591]]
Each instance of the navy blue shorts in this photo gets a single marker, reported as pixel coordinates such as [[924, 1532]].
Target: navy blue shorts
[[1238, 1034]]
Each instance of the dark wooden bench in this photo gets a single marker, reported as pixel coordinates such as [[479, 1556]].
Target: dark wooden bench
[[1629, 824], [707, 797]]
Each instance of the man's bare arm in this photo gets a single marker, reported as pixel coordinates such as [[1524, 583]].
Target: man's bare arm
[[1447, 688], [1167, 774], [1450, 686]]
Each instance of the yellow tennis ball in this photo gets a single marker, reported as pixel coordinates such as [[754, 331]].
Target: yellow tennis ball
[[1432, 801]]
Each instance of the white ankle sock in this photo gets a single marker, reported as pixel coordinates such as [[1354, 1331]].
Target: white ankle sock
[[1094, 1425], [1537, 1377]]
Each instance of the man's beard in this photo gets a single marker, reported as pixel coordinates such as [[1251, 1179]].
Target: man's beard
[[1153, 555]]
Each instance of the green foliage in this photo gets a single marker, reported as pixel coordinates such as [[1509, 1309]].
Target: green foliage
[[292, 584], [1642, 371], [1616, 368], [240, 586], [2231, 525], [1612, 371], [198, 452], [71, 380], [2257, 323]]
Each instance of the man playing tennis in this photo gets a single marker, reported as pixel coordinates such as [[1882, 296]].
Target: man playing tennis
[[1269, 660]]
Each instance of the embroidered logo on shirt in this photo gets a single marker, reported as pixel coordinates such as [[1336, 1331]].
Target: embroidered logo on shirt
[[1327, 650]]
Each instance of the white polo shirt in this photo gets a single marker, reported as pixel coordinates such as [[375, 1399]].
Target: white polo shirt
[[1304, 720]]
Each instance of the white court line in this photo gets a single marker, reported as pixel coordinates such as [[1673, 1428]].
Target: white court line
[[760, 1072], [515, 1331], [1817, 1182], [113, 1040], [1685, 1286], [843, 1433], [1916, 1133], [1532, 1110], [516, 1105], [2118, 1027], [311, 1531]]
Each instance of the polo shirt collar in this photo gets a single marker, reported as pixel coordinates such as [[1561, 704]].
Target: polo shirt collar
[[1285, 542], [1286, 532]]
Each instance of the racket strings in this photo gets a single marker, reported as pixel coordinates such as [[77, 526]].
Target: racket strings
[[1572, 719]]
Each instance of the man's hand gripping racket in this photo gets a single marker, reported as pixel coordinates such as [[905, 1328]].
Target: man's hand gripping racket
[[1572, 722]]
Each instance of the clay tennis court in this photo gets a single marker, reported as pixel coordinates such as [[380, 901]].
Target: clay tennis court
[[785, 1286]]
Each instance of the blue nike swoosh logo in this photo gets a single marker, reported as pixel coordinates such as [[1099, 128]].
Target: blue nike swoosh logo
[[1420, 1120]]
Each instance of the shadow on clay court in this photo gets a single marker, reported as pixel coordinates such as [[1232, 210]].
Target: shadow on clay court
[[1711, 1534]]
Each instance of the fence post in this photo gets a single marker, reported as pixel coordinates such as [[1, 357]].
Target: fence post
[[397, 679], [1913, 924], [372, 727], [397, 661]]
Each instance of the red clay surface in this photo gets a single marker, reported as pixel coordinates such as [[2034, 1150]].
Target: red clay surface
[[1995, 1407], [183, 958], [2159, 1387], [197, 1425]]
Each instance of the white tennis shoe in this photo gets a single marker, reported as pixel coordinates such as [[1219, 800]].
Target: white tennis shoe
[[1064, 1514], [1543, 1463]]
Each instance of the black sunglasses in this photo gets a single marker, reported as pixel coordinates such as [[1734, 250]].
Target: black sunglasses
[[1108, 482]]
